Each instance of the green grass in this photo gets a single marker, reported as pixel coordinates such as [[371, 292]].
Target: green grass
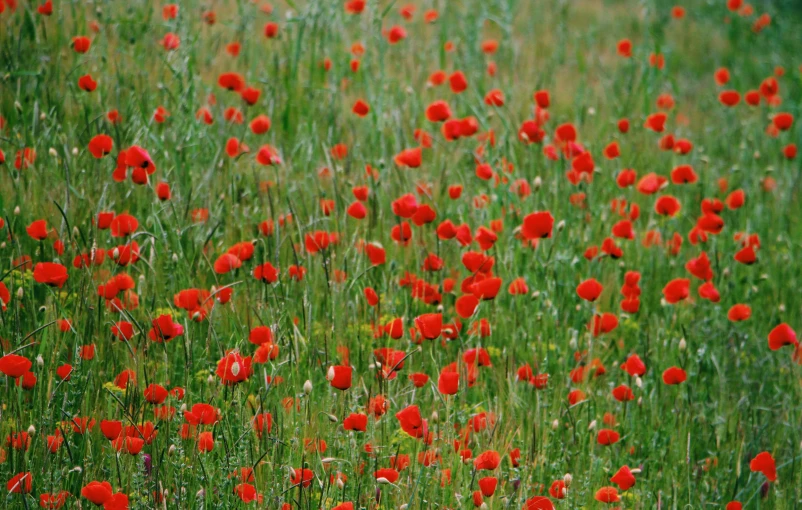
[[692, 442]]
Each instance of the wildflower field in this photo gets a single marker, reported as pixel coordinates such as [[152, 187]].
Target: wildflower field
[[369, 254]]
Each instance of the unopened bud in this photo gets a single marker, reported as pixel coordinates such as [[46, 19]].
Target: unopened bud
[[682, 344], [52, 152], [31, 430], [567, 479], [40, 361], [592, 425], [16, 211], [555, 424], [308, 387]]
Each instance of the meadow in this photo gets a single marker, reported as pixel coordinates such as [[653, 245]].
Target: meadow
[[373, 254]]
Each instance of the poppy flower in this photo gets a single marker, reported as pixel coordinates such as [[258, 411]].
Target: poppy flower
[[781, 336], [356, 422], [97, 492], [389, 474], [607, 495], [81, 44], [674, 375], [624, 48], [438, 111], [233, 368], [14, 365], [360, 108], [623, 478], [448, 383], [123, 225], [739, 312], [226, 263], [50, 273], [729, 98], [340, 377], [396, 34], [606, 437], [86, 83], [538, 225], [429, 325], [589, 290], [410, 421], [538, 503], [302, 477], [783, 121], [409, 158], [764, 463], [458, 82], [667, 205], [676, 290], [623, 393], [487, 461], [100, 145], [46, 9], [164, 329]]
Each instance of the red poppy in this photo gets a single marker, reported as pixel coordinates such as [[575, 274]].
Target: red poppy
[[674, 375], [100, 145]]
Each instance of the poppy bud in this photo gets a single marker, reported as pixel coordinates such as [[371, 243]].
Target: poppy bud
[[75, 232], [40, 361], [537, 183], [52, 152], [200, 494], [536, 294], [340, 484], [18, 106], [210, 379], [31, 430], [42, 116], [308, 387], [115, 253], [331, 417], [435, 417], [16, 211], [175, 257], [682, 344], [567, 479], [561, 226], [75, 151], [638, 382], [555, 424], [20, 293], [592, 425], [171, 450]]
